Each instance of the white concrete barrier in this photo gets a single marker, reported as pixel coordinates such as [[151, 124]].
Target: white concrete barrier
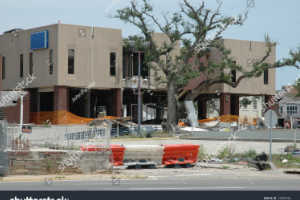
[[143, 154]]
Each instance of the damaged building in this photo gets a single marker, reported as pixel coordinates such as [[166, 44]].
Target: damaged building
[[229, 100], [87, 72], [79, 69]]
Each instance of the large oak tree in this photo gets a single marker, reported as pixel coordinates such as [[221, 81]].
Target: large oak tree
[[198, 29]]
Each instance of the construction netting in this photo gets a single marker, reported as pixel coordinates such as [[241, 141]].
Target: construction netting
[[223, 118], [62, 117]]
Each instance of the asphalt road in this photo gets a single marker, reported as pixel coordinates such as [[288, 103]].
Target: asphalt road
[[185, 182]]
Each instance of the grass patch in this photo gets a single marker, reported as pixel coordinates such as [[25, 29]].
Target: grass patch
[[202, 153], [226, 153], [162, 134], [247, 155], [225, 167], [292, 161], [60, 177]]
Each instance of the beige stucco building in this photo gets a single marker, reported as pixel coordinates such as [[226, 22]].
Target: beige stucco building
[[66, 59]]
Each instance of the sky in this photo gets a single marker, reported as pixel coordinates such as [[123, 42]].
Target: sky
[[280, 19]]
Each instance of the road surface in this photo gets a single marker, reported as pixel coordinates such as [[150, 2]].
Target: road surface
[[205, 179]]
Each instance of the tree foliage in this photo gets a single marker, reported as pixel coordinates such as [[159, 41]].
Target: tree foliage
[[195, 30]]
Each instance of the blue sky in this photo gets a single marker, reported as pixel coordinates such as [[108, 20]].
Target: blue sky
[[280, 19]]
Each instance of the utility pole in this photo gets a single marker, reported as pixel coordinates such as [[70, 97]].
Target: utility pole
[[21, 113], [133, 49], [139, 95]]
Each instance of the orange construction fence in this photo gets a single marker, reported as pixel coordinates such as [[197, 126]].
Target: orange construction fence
[[62, 117], [223, 118]]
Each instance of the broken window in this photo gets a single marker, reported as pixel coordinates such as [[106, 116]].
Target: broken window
[[21, 66], [71, 63], [266, 76], [3, 68], [131, 65], [254, 103], [51, 61], [30, 63], [112, 69]]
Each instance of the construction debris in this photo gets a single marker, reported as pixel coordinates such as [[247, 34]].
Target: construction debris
[[191, 129], [260, 162]]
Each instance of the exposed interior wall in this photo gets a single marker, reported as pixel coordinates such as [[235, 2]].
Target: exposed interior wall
[[13, 112]]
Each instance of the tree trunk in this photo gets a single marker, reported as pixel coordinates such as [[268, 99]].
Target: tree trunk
[[172, 107]]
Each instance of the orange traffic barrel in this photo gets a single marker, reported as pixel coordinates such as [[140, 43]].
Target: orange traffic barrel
[[117, 154]]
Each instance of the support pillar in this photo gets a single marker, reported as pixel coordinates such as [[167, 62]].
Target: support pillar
[[1, 73], [26, 108], [13, 112], [118, 102], [87, 109], [225, 104], [61, 98]]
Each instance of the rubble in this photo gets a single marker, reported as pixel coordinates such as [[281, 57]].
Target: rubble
[[187, 128], [261, 162]]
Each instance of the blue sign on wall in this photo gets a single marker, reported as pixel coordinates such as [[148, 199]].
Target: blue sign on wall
[[39, 40]]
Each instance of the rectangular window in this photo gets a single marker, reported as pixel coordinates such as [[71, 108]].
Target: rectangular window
[[21, 66], [292, 109], [51, 61], [3, 68], [255, 104], [135, 65], [112, 63], [266, 76], [233, 76], [30, 63], [71, 63]]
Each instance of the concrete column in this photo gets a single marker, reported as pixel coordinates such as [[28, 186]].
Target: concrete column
[[225, 104], [26, 109], [61, 98], [1, 86], [13, 112], [118, 102], [87, 109], [202, 108]]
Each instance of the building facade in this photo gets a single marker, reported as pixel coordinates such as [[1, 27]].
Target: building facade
[[245, 53], [76, 68], [84, 70]]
